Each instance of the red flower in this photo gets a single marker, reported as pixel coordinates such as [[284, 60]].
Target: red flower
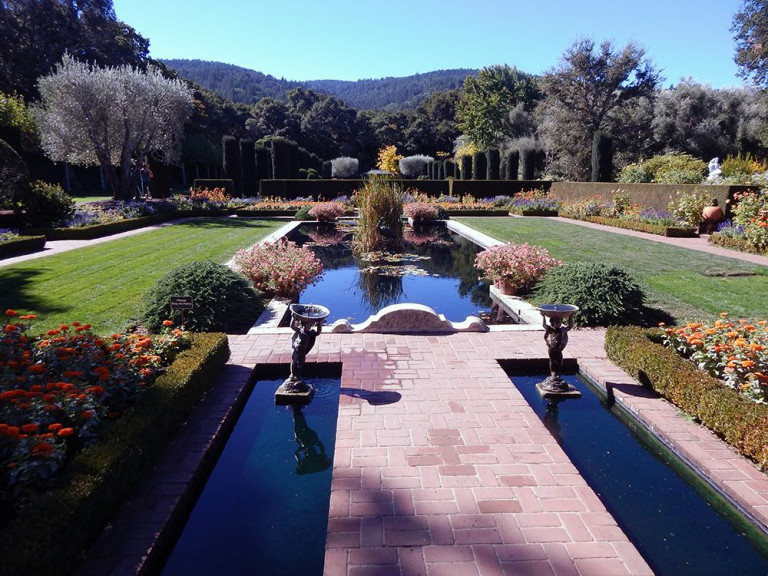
[[66, 432]]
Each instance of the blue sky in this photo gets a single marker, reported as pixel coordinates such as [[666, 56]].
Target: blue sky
[[350, 40]]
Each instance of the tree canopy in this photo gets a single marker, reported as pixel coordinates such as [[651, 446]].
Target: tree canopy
[[114, 117], [750, 28], [487, 99], [36, 34], [587, 92]]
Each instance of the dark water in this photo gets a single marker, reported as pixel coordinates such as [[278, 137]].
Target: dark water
[[675, 529], [451, 286], [264, 509]]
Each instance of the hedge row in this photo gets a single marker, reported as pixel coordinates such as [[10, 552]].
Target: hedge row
[[735, 244], [739, 421], [52, 534], [21, 245], [532, 212], [655, 196], [671, 231], [99, 230]]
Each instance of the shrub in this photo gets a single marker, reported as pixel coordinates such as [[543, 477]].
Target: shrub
[[493, 159], [281, 268], [388, 159], [418, 211], [13, 175], [344, 167], [602, 157], [670, 168], [687, 206], [741, 422], [413, 166], [741, 166], [751, 213], [284, 158], [223, 300], [527, 164], [479, 166], [521, 264], [46, 205], [233, 166], [248, 162], [326, 211], [302, 214], [605, 294], [512, 166]]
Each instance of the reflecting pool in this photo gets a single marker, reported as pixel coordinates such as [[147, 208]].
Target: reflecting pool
[[435, 268], [657, 501], [264, 508]]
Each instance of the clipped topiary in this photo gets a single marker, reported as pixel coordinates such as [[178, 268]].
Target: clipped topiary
[[45, 205], [302, 214], [223, 300], [13, 175], [606, 295]]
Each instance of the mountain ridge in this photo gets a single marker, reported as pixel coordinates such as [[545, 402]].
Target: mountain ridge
[[390, 93]]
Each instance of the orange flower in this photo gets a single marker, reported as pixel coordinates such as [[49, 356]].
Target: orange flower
[[55, 426], [87, 413], [747, 363], [42, 449], [37, 369], [10, 312], [64, 432], [167, 323], [32, 427]]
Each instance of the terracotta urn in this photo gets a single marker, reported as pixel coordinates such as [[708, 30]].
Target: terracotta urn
[[506, 286]]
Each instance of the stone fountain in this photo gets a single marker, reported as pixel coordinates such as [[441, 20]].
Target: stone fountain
[[306, 323], [556, 337]]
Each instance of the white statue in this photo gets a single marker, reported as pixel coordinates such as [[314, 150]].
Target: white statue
[[715, 170]]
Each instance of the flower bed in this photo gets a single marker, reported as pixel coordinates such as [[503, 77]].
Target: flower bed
[[735, 353], [749, 229], [60, 390], [534, 203], [51, 534], [621, 213], [738, 420]]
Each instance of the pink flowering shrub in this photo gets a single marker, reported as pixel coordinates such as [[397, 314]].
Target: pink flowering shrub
[[327, 211], [521, 264], [281, 268], [420, 211]]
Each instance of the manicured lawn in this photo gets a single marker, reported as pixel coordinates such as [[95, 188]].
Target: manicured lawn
[[104, 284], [683, 283]]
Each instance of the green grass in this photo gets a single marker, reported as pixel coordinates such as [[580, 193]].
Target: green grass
[[685, 284], [104, 284]]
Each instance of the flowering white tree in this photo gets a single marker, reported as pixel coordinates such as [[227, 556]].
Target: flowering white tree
[[113, 117]]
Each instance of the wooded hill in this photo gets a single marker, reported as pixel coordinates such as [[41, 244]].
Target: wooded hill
[[249, 86]]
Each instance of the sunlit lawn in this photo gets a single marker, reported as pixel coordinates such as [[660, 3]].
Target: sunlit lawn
[[684, 283], [104, 284]]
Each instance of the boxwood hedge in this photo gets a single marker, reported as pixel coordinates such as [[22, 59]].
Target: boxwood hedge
[[51, 535], [739, 421]]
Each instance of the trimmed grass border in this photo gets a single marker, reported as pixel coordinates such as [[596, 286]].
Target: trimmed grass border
[[51, 535]]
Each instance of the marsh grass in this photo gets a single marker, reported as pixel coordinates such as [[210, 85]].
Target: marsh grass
[[379, 226]]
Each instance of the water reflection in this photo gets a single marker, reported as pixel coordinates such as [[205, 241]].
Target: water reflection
[[437, 270], [310, 454]]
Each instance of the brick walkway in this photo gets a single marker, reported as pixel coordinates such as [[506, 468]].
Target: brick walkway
[[457, 477]]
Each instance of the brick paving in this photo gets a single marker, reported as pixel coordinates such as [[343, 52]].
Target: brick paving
[[458, 477]]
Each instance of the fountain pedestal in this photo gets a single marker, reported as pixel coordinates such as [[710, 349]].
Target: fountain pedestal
[[556, 337], [306, 323]]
